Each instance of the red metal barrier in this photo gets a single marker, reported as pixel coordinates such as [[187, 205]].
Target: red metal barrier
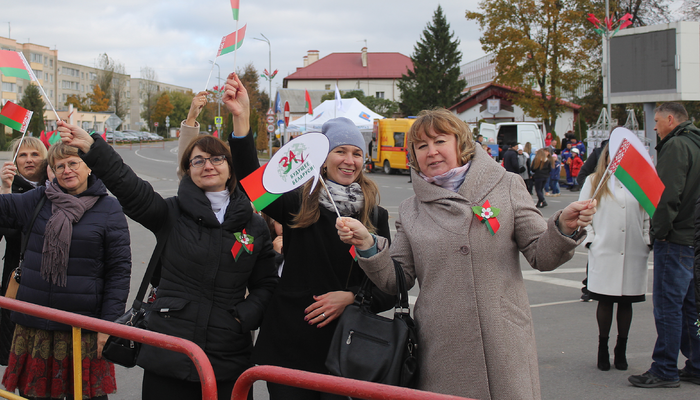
[[328, 384], [194, 352]]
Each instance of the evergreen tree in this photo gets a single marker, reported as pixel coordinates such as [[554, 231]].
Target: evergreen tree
[[434, 81], [33, 101]]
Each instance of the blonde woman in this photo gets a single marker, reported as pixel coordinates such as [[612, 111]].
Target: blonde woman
[[618, 249]]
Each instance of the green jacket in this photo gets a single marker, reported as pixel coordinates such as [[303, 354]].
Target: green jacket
[[678, 167]]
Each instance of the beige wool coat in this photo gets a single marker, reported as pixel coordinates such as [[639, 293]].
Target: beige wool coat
[[475, 332]]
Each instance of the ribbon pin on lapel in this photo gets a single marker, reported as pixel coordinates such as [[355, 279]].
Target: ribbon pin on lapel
[[487, 215], [244, 242]]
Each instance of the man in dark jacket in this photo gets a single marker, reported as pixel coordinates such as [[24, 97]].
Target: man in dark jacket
[[672, 232], [510, 159]]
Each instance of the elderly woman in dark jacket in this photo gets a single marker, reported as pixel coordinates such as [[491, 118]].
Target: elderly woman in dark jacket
[[78, 259], [216, 249]]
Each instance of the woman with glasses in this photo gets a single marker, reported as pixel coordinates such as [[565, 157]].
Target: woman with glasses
[[78, 259], [217, 266]]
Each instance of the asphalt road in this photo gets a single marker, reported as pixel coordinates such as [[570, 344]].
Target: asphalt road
[[565, 327]]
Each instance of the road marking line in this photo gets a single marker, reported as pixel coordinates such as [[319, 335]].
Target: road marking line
[[153, 159]]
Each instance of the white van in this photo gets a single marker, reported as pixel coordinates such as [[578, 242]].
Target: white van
[[507, 132]]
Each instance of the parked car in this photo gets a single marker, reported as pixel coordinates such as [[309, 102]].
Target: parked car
[[115, 136], [155, 136], [130, 137]]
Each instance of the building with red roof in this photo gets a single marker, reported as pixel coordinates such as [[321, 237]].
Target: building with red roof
[[376, 74]]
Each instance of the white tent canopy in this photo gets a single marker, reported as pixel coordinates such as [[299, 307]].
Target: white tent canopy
[[352, 109]]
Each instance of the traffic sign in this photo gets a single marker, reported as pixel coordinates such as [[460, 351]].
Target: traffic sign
[[167, 122], [286, 113], [270, 128], [218, 120], [155, 124], [270, 112], [270, 119], [113, 122]]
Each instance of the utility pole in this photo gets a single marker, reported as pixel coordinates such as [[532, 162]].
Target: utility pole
[[270, 81]]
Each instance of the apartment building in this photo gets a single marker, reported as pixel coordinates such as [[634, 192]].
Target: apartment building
[[61, 79]]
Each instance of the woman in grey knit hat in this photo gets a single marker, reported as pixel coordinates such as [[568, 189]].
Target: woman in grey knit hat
[[320, 276]]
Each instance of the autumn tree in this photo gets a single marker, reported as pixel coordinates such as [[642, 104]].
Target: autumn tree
[[162, 109], [99, 101], [33, 101], [434, 80], [79, 102], [541, 48], [148, 91], [259, 105], [181, 106]]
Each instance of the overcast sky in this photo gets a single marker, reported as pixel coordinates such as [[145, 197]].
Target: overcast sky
[[177, 38]]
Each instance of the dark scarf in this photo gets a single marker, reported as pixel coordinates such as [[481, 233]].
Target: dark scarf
[[66, 210]]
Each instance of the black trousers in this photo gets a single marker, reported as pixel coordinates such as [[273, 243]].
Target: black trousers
[[157, 387]]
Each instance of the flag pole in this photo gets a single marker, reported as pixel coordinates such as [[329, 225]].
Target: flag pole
[[329, 196], [235, 51], [19, 146], [210, 71], [31, 71], [607, 176]]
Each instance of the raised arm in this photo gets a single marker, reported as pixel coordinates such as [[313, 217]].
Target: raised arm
[[237, 102], [189, 128], [137, 197]]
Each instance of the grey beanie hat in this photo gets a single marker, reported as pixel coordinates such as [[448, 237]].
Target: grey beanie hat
[[341, 131]]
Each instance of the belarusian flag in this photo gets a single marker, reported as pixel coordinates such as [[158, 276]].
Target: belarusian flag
[[307, 106], [45, 140], [253, 186], [234, 8], [638, 175], [54, 137], [231, 42], [14, 64], [216, 133], [15, 117]]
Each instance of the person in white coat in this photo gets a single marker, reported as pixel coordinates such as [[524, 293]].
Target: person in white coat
[[618, 249]]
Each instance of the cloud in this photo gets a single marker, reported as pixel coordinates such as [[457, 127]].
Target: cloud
[[178, 38]]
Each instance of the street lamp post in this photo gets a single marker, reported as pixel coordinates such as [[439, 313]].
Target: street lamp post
[[270, 81]]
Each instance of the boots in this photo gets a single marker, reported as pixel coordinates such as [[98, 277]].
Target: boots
[[603, 354], [620, 354]]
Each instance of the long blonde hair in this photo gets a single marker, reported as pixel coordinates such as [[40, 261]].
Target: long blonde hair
[[599, 173], [541, 160], [309, 212]]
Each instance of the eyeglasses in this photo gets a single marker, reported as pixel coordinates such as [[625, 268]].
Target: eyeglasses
[[199, 161], [73, 165]]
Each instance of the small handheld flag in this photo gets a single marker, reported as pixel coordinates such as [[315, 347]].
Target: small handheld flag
[[14, 65], [15, 117], [234, 8], [231, 42]]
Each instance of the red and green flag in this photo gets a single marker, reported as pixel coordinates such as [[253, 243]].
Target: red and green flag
[[253, 186], [15, 117], [307, 105], [353, 253], [231, 42], [14, 64], [234, 8], [54, 137], [638, 175]]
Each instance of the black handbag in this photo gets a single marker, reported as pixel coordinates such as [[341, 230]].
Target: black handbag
[[372, 348], [122, 351]]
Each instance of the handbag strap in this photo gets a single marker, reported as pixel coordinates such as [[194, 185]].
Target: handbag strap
[[25, 235], [401, 289], [161, 239]]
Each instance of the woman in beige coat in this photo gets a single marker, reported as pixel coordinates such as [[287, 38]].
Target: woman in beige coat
[[460, 236]]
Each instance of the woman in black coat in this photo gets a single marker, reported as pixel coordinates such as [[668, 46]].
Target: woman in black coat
[[78, 259], [320, 277], [216, 249]]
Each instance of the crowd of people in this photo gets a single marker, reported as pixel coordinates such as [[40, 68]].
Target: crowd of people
[[293, 274]]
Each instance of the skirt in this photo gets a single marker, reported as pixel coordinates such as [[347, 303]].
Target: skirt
[[41, 365], [618, 299]]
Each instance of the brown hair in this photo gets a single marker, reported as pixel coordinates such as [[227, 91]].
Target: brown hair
[[32, 143], [59, 151], [309, 211], [441, 121], [541, 159], [213, 146]]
